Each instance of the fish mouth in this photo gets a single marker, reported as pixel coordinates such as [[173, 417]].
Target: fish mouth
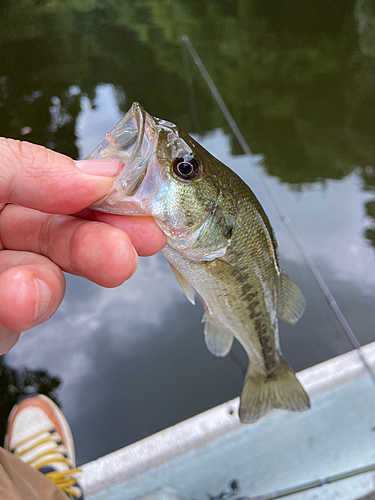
[[133, 140]]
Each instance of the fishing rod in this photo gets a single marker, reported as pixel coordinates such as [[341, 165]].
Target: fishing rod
[[234, 487], [297, 240]]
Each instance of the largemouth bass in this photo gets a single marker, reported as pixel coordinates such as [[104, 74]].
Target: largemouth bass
[[220, 243]]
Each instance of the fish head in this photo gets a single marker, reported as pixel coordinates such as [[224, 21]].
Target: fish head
[[171, 177]]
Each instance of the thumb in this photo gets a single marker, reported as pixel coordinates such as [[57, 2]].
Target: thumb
[[36, 177]]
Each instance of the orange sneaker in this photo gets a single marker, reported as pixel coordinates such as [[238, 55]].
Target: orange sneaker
[[39, 434]]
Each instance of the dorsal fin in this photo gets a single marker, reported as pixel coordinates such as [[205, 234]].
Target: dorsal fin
[[217, 337], [290, 301]]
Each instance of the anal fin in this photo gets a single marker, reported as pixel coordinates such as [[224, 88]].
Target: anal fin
[[218, 338]]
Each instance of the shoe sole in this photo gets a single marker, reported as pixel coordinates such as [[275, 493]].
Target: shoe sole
[[54, 414]]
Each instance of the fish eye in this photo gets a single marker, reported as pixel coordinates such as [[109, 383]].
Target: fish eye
[[187, 169]]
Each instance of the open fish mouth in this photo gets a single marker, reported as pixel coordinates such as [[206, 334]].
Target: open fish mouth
[[133, 140]]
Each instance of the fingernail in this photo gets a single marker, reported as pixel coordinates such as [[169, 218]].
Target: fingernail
[[43, 298], [103, 166]]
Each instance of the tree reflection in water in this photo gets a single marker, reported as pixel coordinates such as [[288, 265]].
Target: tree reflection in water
[[297, 76]]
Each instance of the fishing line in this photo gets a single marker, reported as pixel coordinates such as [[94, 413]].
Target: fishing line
[[237, 361], [190, 86], [305, 255], [194, 113]]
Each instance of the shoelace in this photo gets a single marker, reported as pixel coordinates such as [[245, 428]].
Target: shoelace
[[62, 479]]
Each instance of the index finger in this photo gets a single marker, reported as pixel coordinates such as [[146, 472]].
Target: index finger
[[36, 177], [146, 236]]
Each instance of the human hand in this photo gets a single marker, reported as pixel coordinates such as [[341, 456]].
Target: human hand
[[39, 239]]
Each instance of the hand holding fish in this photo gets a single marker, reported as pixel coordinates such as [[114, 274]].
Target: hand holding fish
[[39, 239]]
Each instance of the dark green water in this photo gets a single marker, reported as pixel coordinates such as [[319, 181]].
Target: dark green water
[[299, 78]]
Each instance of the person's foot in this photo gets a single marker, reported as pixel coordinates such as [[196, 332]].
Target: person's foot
[[39, 434]]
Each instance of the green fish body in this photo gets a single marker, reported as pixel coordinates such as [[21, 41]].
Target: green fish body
[[219, 243]]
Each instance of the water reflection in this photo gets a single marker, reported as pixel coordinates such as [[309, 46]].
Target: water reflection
[[303, 95], [138, 350], [132, 359], [95, 116]]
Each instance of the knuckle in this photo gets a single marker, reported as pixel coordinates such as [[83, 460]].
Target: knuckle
[[24, 156], [2, 206], [19, 152], [30, 155], [32, 159], [52, 238], [44, 234], [79, 239], [19, 158]]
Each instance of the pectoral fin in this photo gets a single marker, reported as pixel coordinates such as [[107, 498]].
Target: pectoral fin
[[218, 338], [216, 232], [290, 301], [184, 285]]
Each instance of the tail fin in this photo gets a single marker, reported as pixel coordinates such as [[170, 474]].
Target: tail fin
[[280, 390]]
